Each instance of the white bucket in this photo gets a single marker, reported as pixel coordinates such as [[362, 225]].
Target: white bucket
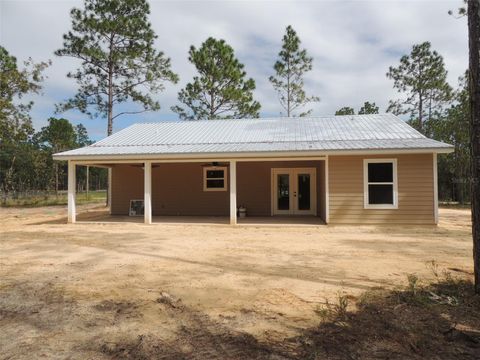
[[242, 212]]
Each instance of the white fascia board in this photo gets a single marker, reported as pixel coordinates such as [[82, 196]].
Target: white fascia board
[[249, 156]]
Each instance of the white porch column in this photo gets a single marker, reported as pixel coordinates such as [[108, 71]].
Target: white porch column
[[147, 203], [109, 191], [327, 193], [87, 186], [435, 189], [233, 192], [72, 181]]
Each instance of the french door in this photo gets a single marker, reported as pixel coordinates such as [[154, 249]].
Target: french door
[[294, 191]]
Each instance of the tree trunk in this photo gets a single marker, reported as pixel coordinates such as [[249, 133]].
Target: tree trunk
[[458, 178], [288, 88], [420, 113], [474, 87], [110, 107], [56, 178], [110, 102]]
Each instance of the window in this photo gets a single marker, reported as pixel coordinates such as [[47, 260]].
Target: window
[[214, 178], [380, 183]]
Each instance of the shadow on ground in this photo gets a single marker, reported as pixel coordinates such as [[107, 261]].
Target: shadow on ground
[[441, 321]]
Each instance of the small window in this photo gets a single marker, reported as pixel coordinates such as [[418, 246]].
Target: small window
[[214, 178], [380, 184]]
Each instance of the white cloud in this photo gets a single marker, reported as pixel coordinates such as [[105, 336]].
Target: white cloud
[[352, 44]]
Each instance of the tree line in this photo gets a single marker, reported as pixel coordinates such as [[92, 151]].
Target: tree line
[[434, 108], [119, 63]]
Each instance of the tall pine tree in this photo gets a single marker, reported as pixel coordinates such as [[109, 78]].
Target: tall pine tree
[[221, 89], [422, 78], [290, 69], [115, 43], [473, 12]]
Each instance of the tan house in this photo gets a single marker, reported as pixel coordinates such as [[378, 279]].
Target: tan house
[[342, 169]]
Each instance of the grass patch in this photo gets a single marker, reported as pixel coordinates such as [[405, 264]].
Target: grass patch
[[55, 200]]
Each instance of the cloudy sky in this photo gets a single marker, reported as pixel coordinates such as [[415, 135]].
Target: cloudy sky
[[352, 42]]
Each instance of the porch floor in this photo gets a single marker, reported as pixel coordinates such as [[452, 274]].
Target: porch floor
[[102, 216]]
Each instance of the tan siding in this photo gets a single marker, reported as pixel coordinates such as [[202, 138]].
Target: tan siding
[[321, 199], [177, 188], [254, 185], [127, 184], [415, 191]]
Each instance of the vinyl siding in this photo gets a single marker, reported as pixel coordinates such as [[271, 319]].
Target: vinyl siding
[[127, 184], [415, 191], [177, 188], [254, 184]]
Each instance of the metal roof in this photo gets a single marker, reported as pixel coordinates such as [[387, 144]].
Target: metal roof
[[309, 134]]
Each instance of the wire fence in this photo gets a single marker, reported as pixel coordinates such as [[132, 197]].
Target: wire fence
[[48, 197]]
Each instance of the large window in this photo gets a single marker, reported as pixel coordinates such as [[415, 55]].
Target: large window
[[380, 183], [215, 178]]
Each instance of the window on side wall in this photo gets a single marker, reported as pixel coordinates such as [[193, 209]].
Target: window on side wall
[[215, 178], [380, 184]]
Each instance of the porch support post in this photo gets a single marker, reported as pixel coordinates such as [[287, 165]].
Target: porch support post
[[147, 203], [233, 192], [71, 191], [327, 193], [435, 189], [109, 190]]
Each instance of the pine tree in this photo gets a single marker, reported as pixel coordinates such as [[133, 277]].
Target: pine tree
[[453, 128], [221, 89], [115, 43], [422, 77], [368, 108], [290, 69], [473, 11], [59, 135], [15, 83], [346, 110], [16, 127]]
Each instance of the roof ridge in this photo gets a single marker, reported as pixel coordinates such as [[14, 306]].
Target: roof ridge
[[176, 121], [257, 142]]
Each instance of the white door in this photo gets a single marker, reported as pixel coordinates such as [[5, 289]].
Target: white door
[[294, 191]]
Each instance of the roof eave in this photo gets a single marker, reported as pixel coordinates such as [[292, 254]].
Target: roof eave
[[246, 155]]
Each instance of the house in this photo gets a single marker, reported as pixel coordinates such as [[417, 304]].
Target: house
[[343, 169]]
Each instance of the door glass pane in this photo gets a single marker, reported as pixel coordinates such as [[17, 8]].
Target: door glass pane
[[303, 192], [283, 192]]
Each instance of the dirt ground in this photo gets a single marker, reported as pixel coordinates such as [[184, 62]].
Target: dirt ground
[[104, 291]]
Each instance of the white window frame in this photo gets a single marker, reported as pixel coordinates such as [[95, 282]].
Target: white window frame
[[224, 178], [366, 204]]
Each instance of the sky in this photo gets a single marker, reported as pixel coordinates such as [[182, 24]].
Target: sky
[[352, 44]]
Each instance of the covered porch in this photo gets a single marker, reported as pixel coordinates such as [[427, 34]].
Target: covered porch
[[212, 191], [104, 216]]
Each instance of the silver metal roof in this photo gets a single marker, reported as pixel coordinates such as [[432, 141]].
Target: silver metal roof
[[310, 134]]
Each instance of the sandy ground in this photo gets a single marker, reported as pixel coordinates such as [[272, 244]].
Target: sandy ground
[[81, 291]]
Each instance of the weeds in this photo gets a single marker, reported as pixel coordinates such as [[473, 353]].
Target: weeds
[[412, 284], [432, 265], [335, 312]]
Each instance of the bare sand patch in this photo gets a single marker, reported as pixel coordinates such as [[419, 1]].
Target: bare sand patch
[[92, 290]]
